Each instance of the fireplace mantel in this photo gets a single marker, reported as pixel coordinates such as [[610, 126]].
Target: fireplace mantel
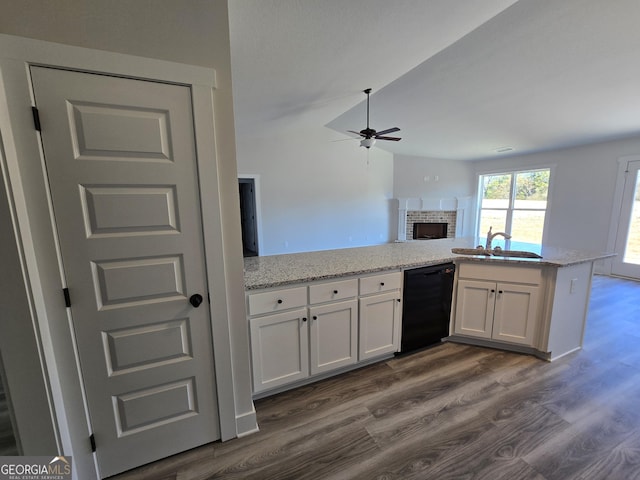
[[461, 205]]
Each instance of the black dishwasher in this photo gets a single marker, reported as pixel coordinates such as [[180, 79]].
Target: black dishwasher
[[426, 306]]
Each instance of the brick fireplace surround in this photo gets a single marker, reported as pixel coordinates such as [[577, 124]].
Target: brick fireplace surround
[[455, 211], [431, 216]]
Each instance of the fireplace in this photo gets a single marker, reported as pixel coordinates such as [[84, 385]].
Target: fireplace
[[456, 212], [429, 231]]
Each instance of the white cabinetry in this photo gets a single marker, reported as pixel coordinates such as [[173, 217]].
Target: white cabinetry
[[380, 325], [333, 336], [279, 341], [280, 349], [333, 325], [506, 309], [314, 329]]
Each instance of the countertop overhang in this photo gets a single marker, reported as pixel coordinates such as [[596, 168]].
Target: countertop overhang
[[278, 270]]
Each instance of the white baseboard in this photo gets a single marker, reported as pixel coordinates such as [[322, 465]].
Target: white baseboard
[[247, 423]]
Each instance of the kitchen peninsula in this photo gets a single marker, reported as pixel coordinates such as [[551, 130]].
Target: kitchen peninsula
[[536, 306]]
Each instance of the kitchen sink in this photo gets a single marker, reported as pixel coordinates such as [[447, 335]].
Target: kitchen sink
[[496, 252], [471, 251], [515, 253]]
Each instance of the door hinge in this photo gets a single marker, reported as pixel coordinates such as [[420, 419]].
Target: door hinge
[[36, 118], [67, 297], [92, 440]]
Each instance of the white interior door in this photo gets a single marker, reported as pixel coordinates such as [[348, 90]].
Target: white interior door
[[120, 158], [627, 262]]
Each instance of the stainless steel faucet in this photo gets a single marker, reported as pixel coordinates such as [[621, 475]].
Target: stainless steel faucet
[[490, 237]]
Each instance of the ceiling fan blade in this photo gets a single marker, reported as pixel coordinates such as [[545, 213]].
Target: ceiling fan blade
[[357, 133], [388, 130], [393, 139]]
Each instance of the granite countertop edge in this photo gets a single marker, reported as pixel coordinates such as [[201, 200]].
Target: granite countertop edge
[[288, 269]]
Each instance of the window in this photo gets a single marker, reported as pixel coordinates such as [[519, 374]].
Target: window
[[515, 203]]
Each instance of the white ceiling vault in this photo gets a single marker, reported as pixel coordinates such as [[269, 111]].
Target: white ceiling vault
[[461, 78]]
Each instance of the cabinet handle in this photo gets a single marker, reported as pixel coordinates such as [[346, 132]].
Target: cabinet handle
[[315, 317], [493, 291], [304, 319], [499, 291], [398, 300], [382, 284], [279, 300], [335, 292]]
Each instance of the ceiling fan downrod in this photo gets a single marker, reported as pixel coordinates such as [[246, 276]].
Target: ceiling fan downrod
[[368, 92]]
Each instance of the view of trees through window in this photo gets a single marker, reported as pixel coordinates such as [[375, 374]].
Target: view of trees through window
[[515, 203]]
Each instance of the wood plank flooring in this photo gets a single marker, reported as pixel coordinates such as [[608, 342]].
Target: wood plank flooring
[[452, 412]]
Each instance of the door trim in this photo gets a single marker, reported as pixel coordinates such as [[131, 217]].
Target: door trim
[[34, 230], [617, 207]]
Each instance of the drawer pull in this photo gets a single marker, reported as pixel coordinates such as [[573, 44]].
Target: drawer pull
[[382, 284], [335, 292], [279, 300]]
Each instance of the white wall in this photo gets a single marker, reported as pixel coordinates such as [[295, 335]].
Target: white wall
[[445, 178], [582, 190], [318, 194], [423, 177]]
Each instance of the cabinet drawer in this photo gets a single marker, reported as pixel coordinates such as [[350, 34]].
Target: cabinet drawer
[[327, 292], [277, 300], [380, 283]]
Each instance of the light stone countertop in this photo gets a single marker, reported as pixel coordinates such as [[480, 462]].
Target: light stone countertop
[[286, 269]]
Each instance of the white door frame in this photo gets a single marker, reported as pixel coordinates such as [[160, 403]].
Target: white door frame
[[614, 227], [22, 167]]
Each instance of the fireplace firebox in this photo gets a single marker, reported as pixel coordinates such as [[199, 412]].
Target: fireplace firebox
[[429, 231]]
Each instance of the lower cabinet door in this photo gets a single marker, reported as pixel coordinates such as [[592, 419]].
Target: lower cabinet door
[[334, 336], [516, 313], [280, 349], [475, 306], [379, 325]]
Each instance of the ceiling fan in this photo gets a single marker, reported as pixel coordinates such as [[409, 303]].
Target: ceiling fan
[[369, 135]]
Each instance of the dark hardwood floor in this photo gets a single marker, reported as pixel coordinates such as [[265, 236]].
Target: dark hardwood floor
[[453, 412]]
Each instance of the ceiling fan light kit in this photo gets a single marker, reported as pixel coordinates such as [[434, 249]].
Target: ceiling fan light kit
[[367, 142], [369, 135]]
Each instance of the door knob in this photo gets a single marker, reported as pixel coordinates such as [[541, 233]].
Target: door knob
[[195, 300]]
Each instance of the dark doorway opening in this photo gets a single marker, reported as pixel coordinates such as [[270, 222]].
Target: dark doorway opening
[[248, 220]]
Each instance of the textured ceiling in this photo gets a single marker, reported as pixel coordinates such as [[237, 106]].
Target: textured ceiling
[[461, 79]]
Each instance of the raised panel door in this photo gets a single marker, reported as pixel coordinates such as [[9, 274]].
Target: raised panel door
[[123, 175]]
